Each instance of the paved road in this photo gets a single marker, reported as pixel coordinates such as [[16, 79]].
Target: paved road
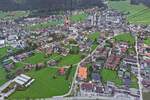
[[139, 69], [74, 79]]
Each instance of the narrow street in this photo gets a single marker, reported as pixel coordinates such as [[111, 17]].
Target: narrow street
[[139, 68]]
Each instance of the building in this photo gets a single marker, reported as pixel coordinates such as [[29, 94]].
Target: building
[[23, 80], [82, 73], [112, 62]]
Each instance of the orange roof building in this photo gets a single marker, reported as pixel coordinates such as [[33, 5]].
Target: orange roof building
[[61, 71], [82, 73]]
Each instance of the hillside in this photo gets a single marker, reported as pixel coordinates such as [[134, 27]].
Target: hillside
[[138, 14], [47, 4]]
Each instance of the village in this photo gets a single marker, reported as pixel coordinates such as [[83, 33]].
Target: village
[[89, 53]]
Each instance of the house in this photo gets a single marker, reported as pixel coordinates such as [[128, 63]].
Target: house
[[9, 67], [51, 62], [2, 42], [99, 89], [82, 73], [88, 87], [29, 67], [120, 73], [113, 61], [130, 60], [61, 71], [95, 77], [127, 81], [146, 83], [40, 66]]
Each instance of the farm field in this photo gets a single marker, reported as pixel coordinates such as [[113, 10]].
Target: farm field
[[137, 14], [44, 86]]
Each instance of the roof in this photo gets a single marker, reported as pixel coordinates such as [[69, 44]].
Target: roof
[[2, 42], [95, 76], [82, 72], [62, 70], [87, 86]]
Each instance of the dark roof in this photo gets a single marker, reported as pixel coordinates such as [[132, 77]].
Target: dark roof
[[95, 76], [87, 86]]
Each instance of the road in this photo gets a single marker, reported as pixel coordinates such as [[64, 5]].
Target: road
[[139, 69], [74, 79]]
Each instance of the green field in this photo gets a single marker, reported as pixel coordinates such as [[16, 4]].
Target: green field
[[3, 52], [147, 41], [44, 82], [78, 17], [94, 36], [69, 59], [44, 85], [44, 25], [138, 14], [36, 58], [126, 37], [109, 75], [13, 14], [134, 82], [2, 76], [41, 57]]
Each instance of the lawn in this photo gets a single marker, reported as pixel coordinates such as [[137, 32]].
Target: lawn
[[70, 59], [36, 58], [147, 41], [94, 46], [138, 14], [78, 17], [44, 85], [2, 76], [110, 75], [3, 52], [66, 60], [94, 36], [134, 82], [13, 14], [44, 25], [126, 37]]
